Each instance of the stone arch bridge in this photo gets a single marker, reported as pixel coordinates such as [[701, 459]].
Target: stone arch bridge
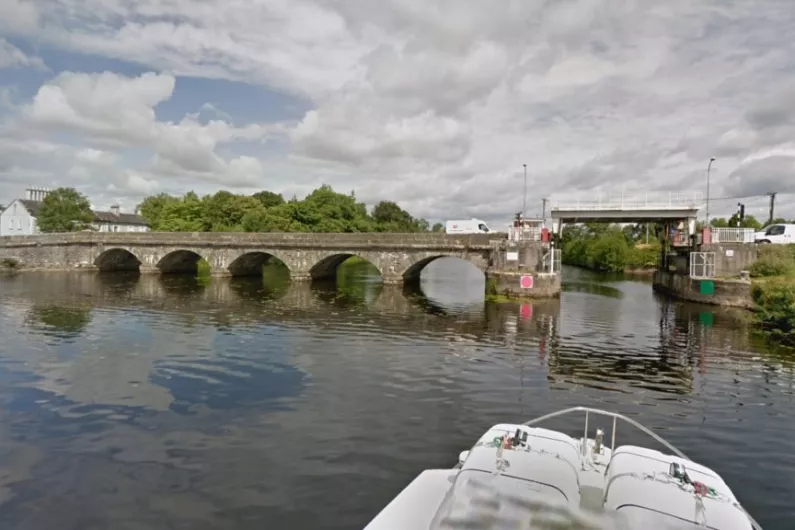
[[398, 257]]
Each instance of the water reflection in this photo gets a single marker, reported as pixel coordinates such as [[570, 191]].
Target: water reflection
[[60, 321], [162, 402]]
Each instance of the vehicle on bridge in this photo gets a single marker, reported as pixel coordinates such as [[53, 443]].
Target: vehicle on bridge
[[467, 226], [781, 234]]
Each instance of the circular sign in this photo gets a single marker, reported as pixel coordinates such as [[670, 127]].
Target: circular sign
[[526, 282]]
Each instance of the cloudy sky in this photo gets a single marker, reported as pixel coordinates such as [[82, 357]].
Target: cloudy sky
[[433, 103]]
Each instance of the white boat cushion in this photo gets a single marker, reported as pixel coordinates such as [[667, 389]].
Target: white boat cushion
[[639, 484]]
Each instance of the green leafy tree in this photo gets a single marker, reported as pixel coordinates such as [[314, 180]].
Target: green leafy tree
[[605, 247], [437, 227], [269, 199], [323, 210], [64, 210], [152, 207]]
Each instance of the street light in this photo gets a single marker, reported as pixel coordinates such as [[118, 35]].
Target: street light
[[709, 166], [524, 202]]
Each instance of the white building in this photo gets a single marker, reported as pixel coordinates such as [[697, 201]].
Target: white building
[[19, 217], [115, 221]]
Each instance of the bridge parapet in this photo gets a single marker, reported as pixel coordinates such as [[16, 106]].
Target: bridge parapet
[[260, 239]]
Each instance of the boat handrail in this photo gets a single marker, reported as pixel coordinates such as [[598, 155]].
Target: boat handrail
[[615, 416], [637, 425]]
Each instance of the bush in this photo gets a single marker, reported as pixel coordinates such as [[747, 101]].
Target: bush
[[774, 260], [9, 263], [775, 300], [609, 251], [643, 257]]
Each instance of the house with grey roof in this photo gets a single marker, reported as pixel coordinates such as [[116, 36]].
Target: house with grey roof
[[19, 217]]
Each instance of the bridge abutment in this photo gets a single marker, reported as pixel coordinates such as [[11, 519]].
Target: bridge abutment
[[524, 270]]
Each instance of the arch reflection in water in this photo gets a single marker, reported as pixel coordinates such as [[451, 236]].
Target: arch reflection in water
[[356, 281]]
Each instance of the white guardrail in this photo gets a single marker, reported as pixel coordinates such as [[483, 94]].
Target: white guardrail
[[732, 235], [632, 201]]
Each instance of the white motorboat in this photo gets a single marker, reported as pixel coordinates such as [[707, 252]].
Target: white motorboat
[[527, 477]]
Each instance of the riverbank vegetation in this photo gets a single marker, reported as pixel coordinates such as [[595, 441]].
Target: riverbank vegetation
[[773, 291], [611, 248]]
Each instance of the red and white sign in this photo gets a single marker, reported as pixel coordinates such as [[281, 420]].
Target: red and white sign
[[526, 282]]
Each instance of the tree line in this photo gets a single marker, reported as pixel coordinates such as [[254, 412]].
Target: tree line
[[323, 210], [611, 248]]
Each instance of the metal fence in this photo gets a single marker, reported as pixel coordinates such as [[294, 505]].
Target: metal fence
[[732, 235], [525, 233], [632, 201], [551, 261], [702, 264]]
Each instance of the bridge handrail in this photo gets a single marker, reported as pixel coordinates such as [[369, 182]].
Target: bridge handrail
[[632, 201]]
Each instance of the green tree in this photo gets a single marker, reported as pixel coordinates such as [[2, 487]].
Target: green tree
[[64, 210], [390, 217], [269, 199], [437, 227], [323, 210], [151, 208]]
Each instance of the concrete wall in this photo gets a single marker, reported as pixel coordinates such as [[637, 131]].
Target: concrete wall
[[731, 258], [727, 292], [508, 284], [398, 257]]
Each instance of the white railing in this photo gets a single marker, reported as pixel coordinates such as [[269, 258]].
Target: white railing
[[524, 233], [632, 201], [702, 264], [732, 235], [551, 261]]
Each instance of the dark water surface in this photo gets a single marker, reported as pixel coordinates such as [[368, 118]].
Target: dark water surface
[[171, 403]]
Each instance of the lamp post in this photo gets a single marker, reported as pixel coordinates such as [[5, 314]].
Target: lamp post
[[524, 202], [709, 166]]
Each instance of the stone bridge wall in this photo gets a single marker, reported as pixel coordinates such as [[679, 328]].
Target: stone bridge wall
[[398, 257]]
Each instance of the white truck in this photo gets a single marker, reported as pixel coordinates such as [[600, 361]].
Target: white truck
[[466, 226], [781, 234]]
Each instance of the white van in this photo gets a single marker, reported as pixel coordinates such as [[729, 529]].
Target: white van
[[467, 226], [781, 234]]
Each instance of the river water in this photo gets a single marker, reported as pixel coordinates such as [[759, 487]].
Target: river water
[[176, 403]]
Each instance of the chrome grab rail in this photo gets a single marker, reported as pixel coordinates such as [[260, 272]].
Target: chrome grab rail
[[617, 416]]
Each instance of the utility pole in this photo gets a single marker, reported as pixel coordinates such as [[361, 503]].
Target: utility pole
[[772, 206], [709, 166], [544, 210], [524, 201]]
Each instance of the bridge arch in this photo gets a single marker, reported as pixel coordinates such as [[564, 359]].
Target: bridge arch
[[327, 267], [179, 262], [117, 259], [414, 271], [251, 263]]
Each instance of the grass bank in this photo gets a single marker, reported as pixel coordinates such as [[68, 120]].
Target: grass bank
[[773, 291]]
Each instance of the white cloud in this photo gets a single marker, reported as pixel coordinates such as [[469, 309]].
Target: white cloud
[[13, 57], [435, 103], [110, 116]]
